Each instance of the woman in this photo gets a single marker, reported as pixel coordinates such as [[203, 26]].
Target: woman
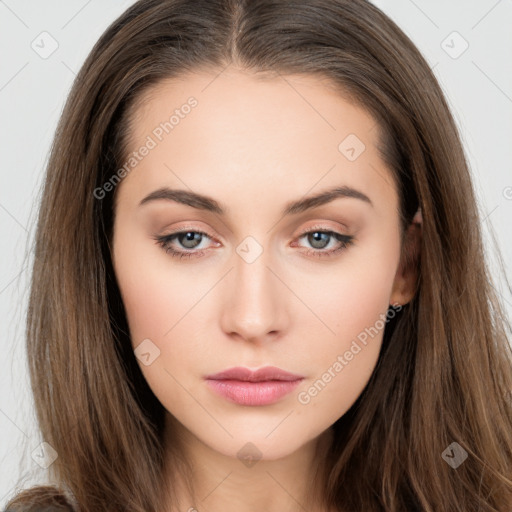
[[259, 279]]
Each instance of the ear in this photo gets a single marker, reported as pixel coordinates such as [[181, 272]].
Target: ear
[[406, 277]]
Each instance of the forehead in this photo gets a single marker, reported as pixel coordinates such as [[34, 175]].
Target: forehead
[[248, 131]]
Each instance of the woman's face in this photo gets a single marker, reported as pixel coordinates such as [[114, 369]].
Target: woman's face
[[285, 227]]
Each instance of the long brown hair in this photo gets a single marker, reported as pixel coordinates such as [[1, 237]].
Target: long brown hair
[[444, 374]]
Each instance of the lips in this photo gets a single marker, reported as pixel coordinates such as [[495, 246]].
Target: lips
[[261, 375], [243, 386]]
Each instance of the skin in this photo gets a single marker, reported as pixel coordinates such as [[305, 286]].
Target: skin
[[254, 145]]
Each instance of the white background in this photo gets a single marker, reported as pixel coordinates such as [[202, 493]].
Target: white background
[[478, 85]]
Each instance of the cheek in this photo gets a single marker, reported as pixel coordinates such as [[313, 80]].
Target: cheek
[[350, 295], [155, 293], [159, 301], [352, 304], [151, 303]]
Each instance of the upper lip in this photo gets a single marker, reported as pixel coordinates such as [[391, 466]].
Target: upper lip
[[260, 375]]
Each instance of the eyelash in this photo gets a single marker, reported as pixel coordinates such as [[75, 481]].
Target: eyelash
[[165, 240]]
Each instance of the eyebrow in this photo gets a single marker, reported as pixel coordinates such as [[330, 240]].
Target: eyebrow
[[202, 202]]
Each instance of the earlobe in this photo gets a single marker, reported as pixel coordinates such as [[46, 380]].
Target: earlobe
[[406, 277]]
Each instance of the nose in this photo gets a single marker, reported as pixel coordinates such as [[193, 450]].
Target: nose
[[254, 306]]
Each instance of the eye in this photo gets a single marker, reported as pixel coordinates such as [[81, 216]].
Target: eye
[[188, 239], [319, 239]]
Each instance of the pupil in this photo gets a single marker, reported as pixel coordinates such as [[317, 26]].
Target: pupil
[[317, 238], [189, 237]]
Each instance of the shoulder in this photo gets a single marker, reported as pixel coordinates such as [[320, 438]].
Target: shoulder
[[40, 499]]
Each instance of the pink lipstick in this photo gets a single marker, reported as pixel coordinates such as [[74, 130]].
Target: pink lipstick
[[243, 386]]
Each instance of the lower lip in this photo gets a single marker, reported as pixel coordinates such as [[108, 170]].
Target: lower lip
[[253, 393]]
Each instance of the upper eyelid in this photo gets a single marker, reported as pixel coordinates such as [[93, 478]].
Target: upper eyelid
[[304, 231], [319, 226], [185, 229]]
